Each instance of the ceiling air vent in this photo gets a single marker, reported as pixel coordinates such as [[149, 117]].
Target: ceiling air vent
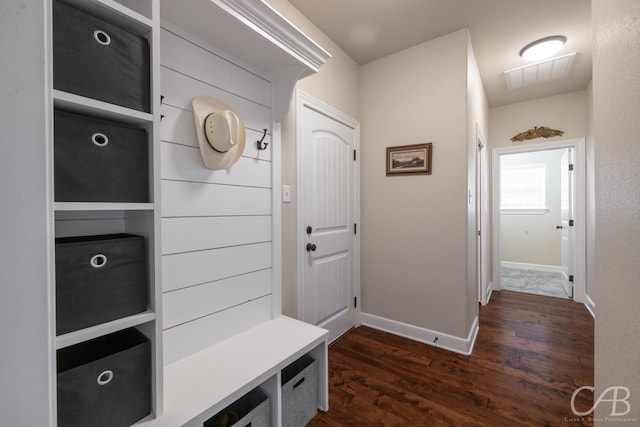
[[551, 69]]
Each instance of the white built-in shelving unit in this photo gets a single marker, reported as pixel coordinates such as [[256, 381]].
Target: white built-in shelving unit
[[189, 390], [199, 386], [140, 17], [258, 39]]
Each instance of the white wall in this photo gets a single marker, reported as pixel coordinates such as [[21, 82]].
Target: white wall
[[533, 238], [616, 126], [590, 205], [336, 84], [564, 112], [216, 225], [414, 228], [478, 185], [26, 322]]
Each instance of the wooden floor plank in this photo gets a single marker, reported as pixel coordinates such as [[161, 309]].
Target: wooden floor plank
[[531, 353]]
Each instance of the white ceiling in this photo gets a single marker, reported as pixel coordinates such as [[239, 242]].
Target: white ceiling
[[370, 29]]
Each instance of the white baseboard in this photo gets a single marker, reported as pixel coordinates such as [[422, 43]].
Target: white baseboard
[[489, 291], [535, 267], [591, 306], [424, 335]]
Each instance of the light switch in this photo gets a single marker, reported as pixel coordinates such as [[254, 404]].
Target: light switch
[[286, 194]]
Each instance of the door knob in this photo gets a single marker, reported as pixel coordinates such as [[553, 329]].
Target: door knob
[[559, 227], [311, 247]]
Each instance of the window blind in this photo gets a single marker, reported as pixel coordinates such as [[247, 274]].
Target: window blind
[[522, 187]]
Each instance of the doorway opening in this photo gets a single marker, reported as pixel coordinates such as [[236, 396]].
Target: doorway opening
[[538, 218], [530, 214]]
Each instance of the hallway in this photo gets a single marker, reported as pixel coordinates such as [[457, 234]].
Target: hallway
[[530, 355]]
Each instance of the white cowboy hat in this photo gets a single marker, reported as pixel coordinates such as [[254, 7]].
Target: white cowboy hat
[[220, 131]]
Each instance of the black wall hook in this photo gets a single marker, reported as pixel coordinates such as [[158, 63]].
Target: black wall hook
[[262, 145]]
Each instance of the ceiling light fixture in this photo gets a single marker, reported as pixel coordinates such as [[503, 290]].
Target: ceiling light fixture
[[543, 48]]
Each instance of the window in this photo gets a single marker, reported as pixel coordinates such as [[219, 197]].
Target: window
[[522, 189]]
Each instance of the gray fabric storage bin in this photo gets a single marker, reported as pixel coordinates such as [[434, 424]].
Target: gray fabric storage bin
[[251, 410], [104, 382], [98, 160], [99, 279], [299, 392], [99, 59]]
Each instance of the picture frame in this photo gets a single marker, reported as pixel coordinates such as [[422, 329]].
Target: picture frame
[[409, 159]]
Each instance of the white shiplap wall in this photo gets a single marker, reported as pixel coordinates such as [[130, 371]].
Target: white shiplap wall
[[216, 225]]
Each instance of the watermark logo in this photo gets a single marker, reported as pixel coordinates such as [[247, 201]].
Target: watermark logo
[[617, 395]]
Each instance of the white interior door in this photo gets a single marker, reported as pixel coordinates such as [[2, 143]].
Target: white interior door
[[327, 196], [566, 220]]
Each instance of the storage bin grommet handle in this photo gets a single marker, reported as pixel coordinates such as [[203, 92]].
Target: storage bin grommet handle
[[296, 385], [105, 377], [98, 261], [102, 37], [99, 139]]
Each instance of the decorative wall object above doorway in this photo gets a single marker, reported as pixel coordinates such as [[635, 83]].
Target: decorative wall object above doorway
[[537, 132]]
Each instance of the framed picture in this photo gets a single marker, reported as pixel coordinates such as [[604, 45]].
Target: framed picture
[[409, 159]]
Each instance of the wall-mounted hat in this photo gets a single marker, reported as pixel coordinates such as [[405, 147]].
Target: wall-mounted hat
[[220, 131]]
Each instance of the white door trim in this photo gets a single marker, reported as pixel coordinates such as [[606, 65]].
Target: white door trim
[[579, 285], [276, 219], [304, 100], [484, 290]]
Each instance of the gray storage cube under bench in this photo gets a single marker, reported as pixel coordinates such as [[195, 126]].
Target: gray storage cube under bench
[[251, 410], [299, 392]]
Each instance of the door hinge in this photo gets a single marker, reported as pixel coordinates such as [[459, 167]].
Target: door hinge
[[355, 228], [571, 278], [570, 223], [571, 166], [354, 155], [355, 302]]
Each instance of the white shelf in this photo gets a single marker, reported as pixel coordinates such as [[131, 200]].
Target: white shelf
[[102, 206], [82, 335], [257, 35], [80, 104], [115, 12], [199, 386]]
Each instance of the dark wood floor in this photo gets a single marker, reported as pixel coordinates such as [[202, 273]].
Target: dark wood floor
[[531, 353]]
